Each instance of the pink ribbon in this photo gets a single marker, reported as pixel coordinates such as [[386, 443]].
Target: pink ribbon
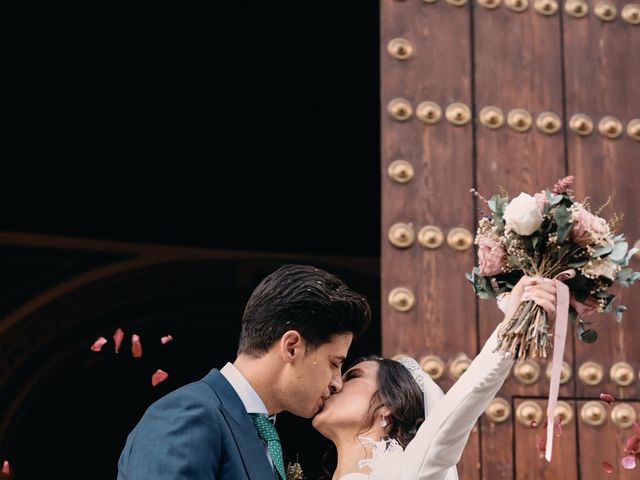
[[560, 336]]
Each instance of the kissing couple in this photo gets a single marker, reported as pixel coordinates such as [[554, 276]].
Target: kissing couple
[[386, 419]]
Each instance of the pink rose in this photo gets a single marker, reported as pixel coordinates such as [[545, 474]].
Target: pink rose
[[587, 227], [541, 201], [586, 308], [491, 257]]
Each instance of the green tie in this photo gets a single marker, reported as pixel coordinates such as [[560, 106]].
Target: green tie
[[267, 432]]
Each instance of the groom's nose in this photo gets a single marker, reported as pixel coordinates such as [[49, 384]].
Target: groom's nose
[[336, 384]]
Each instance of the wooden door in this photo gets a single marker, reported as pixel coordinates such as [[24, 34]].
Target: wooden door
[[497, 94]]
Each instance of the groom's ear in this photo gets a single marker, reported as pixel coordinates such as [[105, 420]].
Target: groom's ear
[[292, 346]]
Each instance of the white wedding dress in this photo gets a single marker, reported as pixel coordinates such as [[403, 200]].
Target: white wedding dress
[[441, 438]]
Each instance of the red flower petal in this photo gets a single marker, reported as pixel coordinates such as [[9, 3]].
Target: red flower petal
[[607, 397], [97, 345], [533, 424], [166, 339], [117, 338], [607, 467], [541, 444], [632, 445], [158, 377], [629, 462], [557, 426], [6, 469], [136, 346]]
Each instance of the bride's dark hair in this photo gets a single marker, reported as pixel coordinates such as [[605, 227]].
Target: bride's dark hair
[[398, 391]]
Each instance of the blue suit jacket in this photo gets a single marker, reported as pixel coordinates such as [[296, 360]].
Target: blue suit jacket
[[200, 431]]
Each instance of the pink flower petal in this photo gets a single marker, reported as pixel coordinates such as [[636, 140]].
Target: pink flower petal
[[541, 444], [533, 424], [166, 339], [117, 338], [557, 426], [629, 462], [97, 345], [607, 397], [6, 469], [607, 467], [136, 346], [632, 445], [158, 377]]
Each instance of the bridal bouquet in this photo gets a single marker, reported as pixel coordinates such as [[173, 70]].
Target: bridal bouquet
[[551, 235]]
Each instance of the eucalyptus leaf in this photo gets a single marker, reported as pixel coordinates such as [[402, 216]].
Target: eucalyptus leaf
[[619, 310], [603, 250], [619, 252]]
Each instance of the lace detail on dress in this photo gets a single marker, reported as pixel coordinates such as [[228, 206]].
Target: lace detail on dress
[[385, 458]]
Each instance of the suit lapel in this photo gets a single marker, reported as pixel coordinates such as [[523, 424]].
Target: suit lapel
[[242, 428]]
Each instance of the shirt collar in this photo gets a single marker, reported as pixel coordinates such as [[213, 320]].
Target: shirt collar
[[250, 399]]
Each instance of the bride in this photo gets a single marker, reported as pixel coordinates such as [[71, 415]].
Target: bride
[[376, 421]]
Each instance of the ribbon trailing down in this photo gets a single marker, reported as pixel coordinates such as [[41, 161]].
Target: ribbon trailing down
[[560, 337]]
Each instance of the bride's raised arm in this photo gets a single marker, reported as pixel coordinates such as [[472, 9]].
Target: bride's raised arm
[[440, 440]]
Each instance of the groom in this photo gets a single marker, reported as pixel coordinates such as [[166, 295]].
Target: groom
[[296, 330]]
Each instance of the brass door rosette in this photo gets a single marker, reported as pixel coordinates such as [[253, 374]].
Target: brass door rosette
[[429, 112], [623, 416], [519, 120], [401, 299], [622, 374], [400, 171], [591, 373], [401, 235], [545, 7], [605, 10], [631, 13], [400, 109], [517, 6], [610, 127], [593, 414], [459, 365], [548, 122], [576, 8], [491, 117], [565, 372], [498, 410], [458, 114], [581, 124], [633, 129], [430, 237], [433, 366], [528, 412], [527, 372], [460, 239], [400, 48]]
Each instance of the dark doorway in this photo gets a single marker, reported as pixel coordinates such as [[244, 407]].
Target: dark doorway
[[229, 127]]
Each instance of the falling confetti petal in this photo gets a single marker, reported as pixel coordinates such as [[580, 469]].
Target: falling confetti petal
[[607, 397], [166, 339], [6, 469], [136, 346], [607, 467], [158, 377], [97, 345], [632, 445], [557, 426], [629, 462], [533, 424], [541, 444], [117, 338]]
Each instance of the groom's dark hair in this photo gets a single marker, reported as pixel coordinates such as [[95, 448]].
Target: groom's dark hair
[[303, 298]]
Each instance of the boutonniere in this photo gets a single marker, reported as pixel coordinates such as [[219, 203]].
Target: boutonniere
[[294, 471]]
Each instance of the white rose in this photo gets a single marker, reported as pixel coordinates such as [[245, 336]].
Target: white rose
[[523, 215]]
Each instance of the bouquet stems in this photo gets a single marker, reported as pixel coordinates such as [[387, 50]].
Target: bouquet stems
[[526, 334]]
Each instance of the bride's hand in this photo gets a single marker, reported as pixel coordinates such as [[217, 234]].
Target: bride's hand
[[541, 290]]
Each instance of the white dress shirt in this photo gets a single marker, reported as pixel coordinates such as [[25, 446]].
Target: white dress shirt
[[250, 399]]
